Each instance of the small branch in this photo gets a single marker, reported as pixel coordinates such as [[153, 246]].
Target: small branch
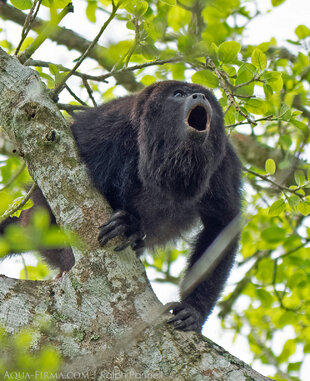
[[254, 79], [75, 96], [102, 78], [137, 67], [269, 118], [46, 33], [230, 97], [71, 108], [135, 44], [14, 209], [39, 63], [282, 187], [292, 251], [89, 91], [59, 88], [28, 23]]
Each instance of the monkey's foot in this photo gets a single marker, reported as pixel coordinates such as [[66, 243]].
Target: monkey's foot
[[122, 223], [186, 317]]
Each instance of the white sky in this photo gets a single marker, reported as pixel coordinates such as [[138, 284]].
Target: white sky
[[280, 23]]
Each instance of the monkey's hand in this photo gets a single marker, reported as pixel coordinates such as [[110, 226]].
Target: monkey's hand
[[186, 317], [122, 223]]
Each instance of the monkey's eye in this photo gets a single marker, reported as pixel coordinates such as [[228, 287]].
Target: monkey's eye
[[179, 93]]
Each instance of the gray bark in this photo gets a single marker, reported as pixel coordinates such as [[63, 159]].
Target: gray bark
[[103, 309]]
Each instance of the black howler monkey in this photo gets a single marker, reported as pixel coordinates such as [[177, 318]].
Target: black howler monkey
[[162, 160]]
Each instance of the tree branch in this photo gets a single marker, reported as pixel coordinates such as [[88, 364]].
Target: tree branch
[[104, 295]]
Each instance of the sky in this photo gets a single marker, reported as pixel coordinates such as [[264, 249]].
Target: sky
[[280, 23]]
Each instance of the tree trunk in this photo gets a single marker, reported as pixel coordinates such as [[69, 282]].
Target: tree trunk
[[106, 317]]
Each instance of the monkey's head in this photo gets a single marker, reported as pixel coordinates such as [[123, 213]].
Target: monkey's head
[[176, 109]]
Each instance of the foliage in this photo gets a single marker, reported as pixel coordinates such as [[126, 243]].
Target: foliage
[[18, 361], [264, 92]]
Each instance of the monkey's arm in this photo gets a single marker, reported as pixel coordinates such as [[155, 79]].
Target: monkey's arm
[[217, 210]]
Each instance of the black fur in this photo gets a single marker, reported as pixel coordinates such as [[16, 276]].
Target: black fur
[[162, 160]]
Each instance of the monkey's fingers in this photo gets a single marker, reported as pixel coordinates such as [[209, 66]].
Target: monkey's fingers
[[186, 317], [110, 232]]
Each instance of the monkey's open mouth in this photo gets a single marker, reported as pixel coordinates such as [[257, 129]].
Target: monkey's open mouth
[[197, 118]]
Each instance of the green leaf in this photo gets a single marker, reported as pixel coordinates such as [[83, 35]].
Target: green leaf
[[245, 74], [256, 106], [259, 59], [273, 234], [228, 51], [299, 177], [230, 70], [178, 18], [302, 32], [56, 3], [300, 125], [35, 273], [274, 80], [53, 69], [293, 201], [148, 80], [285, 112], [285, 141], [270, 166], [186, 44], [22, 4], [60, 77], [294, 366], [288, 350], [169, 2], [304, 208], [230, 116], [137, 8], [4, 247], [277, 208], [275, 3], [91, 11], [206, 78]]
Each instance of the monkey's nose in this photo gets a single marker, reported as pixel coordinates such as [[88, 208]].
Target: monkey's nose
[[199, 96]]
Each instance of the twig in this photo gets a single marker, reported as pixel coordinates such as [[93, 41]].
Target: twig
[[282, 187], [137, 67], [28, 23], [102, 78], [89, 91], [71, 108], [254, 79], [230, 97], [74, 95], [14, 209], [135, 44], [47, 32], [269, 118], [60, 87]]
